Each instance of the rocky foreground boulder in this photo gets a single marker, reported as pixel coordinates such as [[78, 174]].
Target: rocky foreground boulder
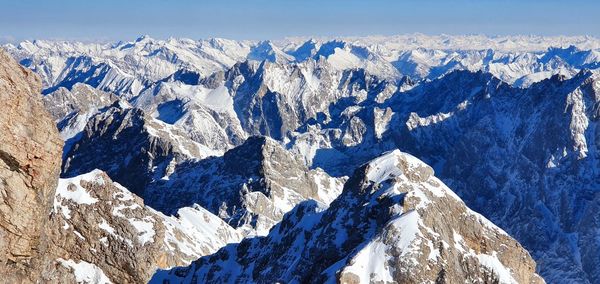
[[30, 157], [394, 222]]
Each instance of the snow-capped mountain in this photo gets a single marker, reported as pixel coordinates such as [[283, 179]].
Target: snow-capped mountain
[[257, 137], [71, 109], [124, 68], [127, 68], [529, 151], [394, 222], [133, 148]]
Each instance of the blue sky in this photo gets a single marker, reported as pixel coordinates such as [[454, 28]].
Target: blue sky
[[263, 19]]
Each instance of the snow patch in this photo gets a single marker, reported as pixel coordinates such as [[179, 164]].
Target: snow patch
[[85, 272]]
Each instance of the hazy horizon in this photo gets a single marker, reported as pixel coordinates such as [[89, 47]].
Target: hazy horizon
[[5, 40], [113, 20]]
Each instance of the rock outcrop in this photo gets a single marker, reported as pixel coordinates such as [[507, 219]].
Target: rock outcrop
[[393, 223], [30, 156], [100, 230]]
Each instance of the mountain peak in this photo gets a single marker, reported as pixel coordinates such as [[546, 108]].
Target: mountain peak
[[394, 221], [267, 51], [143, 38]]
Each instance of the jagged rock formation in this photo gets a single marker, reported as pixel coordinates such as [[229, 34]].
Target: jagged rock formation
[[72, 108], [29, 165], [131, 147], [394, 223], [275, 99], [100, 231], [532, 152], [79, 99], [206, 113], [250, 187]]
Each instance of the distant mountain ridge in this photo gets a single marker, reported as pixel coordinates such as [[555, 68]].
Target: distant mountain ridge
[[127, 68]]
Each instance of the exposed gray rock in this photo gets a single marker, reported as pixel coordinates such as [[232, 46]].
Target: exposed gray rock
[[80, 99], [275, 99]]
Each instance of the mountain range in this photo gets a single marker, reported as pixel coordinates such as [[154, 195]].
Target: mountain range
[[405, 159]]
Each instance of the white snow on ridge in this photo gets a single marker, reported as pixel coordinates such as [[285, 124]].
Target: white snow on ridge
[[128, 67], [145, 228], [205, 232], [71, 189], [370, 263], [194, 233], [77, 193], [493, 263], [85, 272], [384, 167]]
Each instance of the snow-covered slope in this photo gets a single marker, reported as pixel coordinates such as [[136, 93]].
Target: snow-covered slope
[[97, 227], [394, 222]]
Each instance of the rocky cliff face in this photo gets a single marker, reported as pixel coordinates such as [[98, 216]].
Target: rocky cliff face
[[30, 152], [394, 223]]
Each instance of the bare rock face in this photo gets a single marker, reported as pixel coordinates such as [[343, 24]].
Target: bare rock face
[[395, 222], [81, 98], [131, 147], [99, 230], [251, 186], [30, 157]]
